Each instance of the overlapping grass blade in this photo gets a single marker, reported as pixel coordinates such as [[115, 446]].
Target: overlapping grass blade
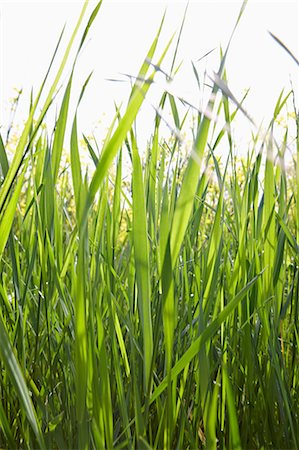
[[18, 381], [204, 337], [160, 312]]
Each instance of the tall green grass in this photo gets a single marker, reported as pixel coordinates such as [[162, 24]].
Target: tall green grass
[[163, 314]]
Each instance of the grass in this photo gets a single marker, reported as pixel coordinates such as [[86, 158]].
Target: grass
[[159, 314]]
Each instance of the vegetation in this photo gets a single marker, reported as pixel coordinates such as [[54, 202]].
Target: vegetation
[[159, 314]]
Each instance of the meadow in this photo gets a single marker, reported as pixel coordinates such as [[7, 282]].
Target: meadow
[[159, 311]]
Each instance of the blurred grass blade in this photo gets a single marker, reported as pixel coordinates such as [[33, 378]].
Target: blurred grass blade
[[284, 47], [126, 122], [222, 85]]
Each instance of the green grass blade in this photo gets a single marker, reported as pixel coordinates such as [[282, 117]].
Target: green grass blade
[[3, 158], [7, 217], [141, 254], [235, 441], [13, 368], [120, 134], [206, 335], [21, 147], [60, 131]]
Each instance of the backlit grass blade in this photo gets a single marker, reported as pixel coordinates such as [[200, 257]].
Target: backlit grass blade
[[60, 131], [19, 153], [269, 220], [169, 323], [141, 254], [119, 135], [62, 119], [64, 60], [90, 22], [80, 296], [185, 201], [146, 63], [76, 165], [7, 216]]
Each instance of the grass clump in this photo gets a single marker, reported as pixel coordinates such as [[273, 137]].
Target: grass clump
[[163, 314]]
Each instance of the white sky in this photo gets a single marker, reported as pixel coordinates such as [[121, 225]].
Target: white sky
[[121, 35]]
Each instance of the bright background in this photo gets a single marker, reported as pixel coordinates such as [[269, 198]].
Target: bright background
[[121, 36]]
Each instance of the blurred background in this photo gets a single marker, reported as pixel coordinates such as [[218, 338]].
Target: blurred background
[[119, 41]]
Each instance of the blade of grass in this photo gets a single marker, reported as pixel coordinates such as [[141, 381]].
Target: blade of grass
[[204, 337], [141, 254], [12, 366]]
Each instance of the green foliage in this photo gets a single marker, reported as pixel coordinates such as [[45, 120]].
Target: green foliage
[[163, 314]]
